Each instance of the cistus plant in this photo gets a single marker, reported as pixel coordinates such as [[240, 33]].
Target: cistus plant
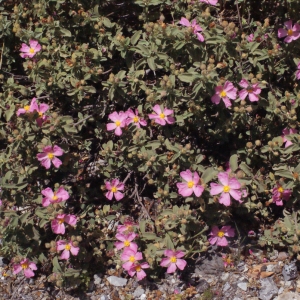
[[138, 133]]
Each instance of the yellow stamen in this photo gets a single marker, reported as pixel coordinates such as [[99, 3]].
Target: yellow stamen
[[26, 107], [221, 234], [138, 268], [31, 50], [114, 189], [118, 123], [173, 259], [280, 190], [132, 258], [190, 184], [24, 265], [68, 247], [162, 116], [54, 198], [40, 114], [226, 188], [135, 119], [60, 221], [250, 90], [290, 32], [126, 243], [50, 155], [223, 94]]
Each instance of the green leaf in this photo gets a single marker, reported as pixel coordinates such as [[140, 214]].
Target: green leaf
[[233, 162], [134, 39], [65, 32], [209, 174], [151, 63], [56, 266]]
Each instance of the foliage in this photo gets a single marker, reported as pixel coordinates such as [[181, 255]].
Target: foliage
[[101, 57]]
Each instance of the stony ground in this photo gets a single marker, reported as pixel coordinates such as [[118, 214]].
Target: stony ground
[[253, 277]]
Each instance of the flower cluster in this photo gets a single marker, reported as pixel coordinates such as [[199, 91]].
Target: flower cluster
[[228, 92], [122, 119], [37, 109], [130, 255]]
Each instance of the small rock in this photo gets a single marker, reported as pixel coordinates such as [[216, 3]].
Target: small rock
[[224, 276], [103, 297], [202, 286], [97, 279], [289, 296], [226, 287], [138, 292], [289, 271], [282, 256], [243, 286], [117, 281], [143, 297], [268, 289]]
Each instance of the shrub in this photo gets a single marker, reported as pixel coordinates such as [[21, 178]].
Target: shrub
[[169, 117]]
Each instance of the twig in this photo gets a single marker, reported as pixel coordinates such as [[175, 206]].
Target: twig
[[1, 55], [16, 289], [82, 120], [239, 16], [127, 177]]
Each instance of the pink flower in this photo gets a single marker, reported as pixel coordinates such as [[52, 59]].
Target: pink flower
[[58, 224], [40, 109], [218, 235], [195, 27], [161, 117], [49, 155], [292, 33], [173, 260], [138, 270], [113, 189], [250, 37], [249, 90], [31, 50], [227, 261], [211, 2], [119, 120], [134, 118], [54, 197], [130, 257], [191, 185], [226, 92], [286, 132], [279, 194], [0, 202], [127, 227], [229, 186], [27, 108], [251, 234], [67, 247], [27, 266], [298, 71], [126, 241]]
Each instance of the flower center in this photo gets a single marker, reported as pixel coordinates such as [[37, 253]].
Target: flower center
[[135, 119], [138, 268], [61, 220], [126, 243], [68, 247], [26, 107], [50, 155], [250, 90], [221, 234], [223, 94], [40, 114], [54, 198], [190, 184], [118, 123], [129, 228], [173, 259], [132, 258], [290, 32], [226, 188], [162, 116], [280, 190], [114, 189], [31, 50], [24, 265]]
